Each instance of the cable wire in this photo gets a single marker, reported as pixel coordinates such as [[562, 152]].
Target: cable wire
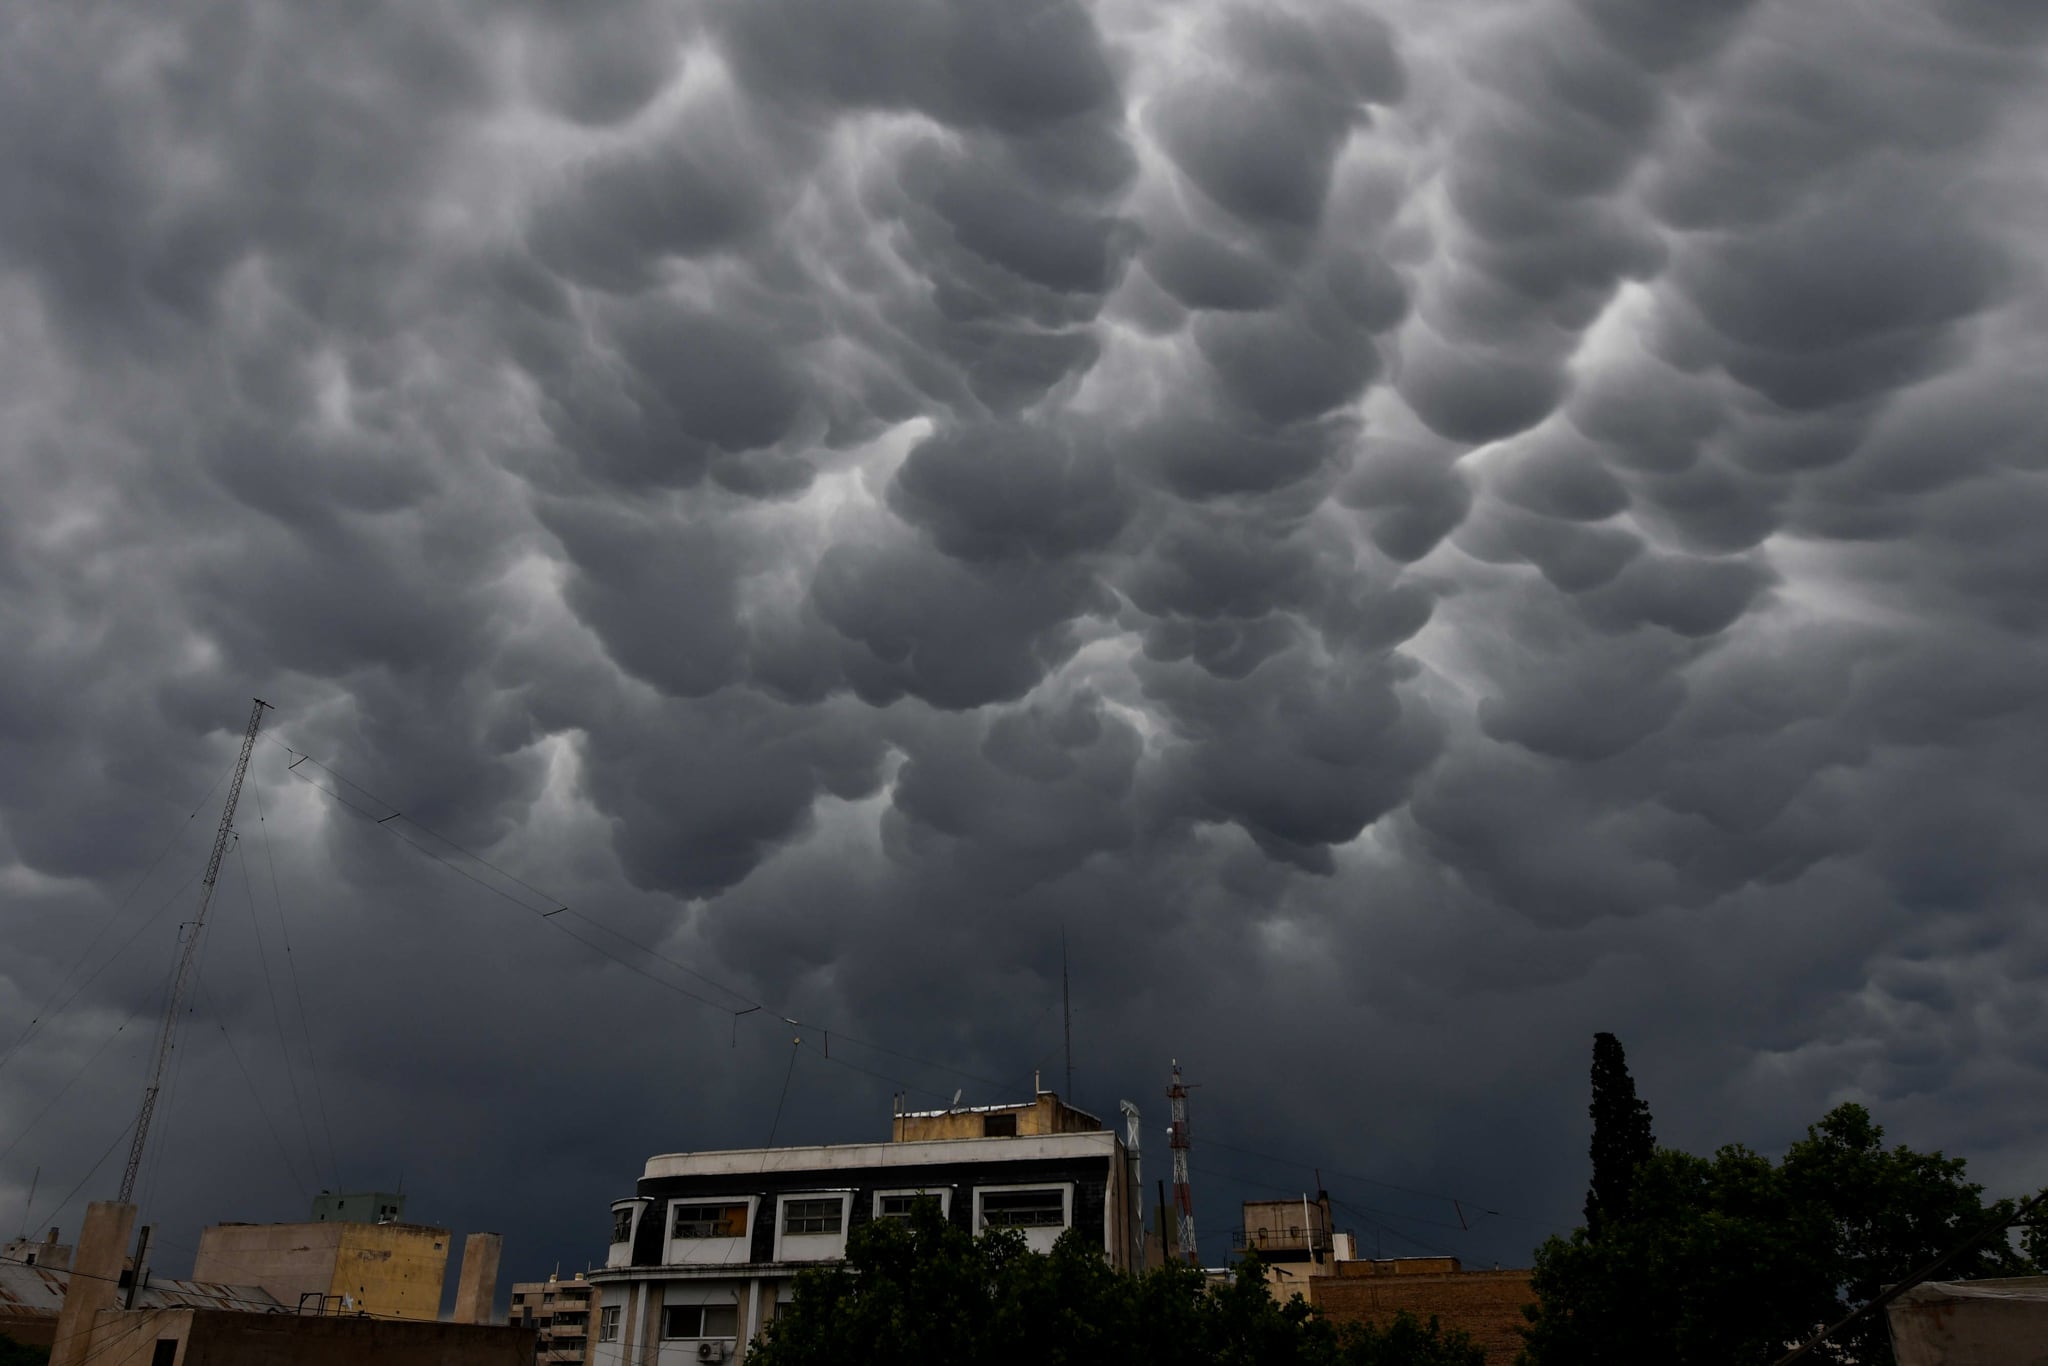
[[220, 1022], [277, 1018], [292, 974], [83, 1068], [557, 911]]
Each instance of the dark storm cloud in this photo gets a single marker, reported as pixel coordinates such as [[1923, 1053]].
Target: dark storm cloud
[[1451, 526]]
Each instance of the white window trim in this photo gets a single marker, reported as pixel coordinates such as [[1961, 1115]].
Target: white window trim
[[661, 1327], [845, 1198], [1065, 1188], [639, 1208], [670, 1243], [944, 1195]]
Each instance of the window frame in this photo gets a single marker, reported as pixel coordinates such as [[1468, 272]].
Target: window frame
[[812, 1247], [700, 1310], [828, 1211], [718, 1250], [1066, 1194], [608, 1317], [677, 1206], [943, 1194]]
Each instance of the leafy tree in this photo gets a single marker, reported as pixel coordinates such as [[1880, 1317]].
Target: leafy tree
[[1622, 1138], [1409, 1341], [909, 1288], [1734, 1258], [1887, 1213]]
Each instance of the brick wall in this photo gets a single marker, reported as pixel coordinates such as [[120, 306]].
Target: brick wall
[[1486, 1304]]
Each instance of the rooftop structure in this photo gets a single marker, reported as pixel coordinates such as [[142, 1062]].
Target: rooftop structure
[[1295, 1242], [385, 1270], [108, 1319], [31, 1297], [359, 1207], [1044, 1114]]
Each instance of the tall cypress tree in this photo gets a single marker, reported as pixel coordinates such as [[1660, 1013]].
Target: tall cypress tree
[[1622, 1140]]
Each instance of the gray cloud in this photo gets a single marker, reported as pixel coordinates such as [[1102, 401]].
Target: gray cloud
[[1455, 528]]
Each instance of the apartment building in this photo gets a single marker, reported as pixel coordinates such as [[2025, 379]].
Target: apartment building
[[560, 1313], [707, 1246]]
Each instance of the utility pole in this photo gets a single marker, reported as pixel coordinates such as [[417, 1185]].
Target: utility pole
[[167, 1034], [1183, 1195]]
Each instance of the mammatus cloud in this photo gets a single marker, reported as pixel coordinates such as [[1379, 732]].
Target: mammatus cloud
[[1409, 534]]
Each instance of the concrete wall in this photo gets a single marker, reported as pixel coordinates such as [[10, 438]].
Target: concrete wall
[[94, 1277], [2000, 1322], [288, 1260], [477, 1289], [394, 1268], [390, 1269], [1486, 1304], [213, 1337], [1046, 1115], [30, 1330]]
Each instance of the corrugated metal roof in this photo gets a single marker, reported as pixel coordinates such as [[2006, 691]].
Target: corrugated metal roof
[[37, 1290]]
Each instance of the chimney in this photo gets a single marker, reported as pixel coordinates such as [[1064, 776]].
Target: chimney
[[478, 1288], [95, 1274], [51, 1241]]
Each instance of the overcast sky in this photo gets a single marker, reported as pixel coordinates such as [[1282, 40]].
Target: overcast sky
[[1410, 533]]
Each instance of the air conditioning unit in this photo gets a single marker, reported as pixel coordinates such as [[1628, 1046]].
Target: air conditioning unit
[[711, 1351]]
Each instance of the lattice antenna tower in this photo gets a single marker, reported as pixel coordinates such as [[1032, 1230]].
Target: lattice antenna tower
[[167, 1032], [1178, 1139]]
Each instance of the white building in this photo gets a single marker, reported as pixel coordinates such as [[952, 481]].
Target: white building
[[707, 1246]]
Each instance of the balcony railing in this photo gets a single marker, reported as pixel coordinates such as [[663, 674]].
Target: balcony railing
[[1311, 1240]]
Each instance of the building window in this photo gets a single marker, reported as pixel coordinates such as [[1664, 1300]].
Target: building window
[[1044, 1207], [700, 1321], [814, 1216], [898, 1204], [998, 1126], [711, 1221], [608, 1323], [622, 1225]]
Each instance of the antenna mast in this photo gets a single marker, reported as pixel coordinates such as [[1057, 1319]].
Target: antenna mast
[[167, 1034], [1177, 1138]]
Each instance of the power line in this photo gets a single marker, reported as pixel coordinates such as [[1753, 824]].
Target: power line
[[277, 1018], [292, 974], [220, 1023], [83, 1068], [42, 1017], [1460, 1200], [71, 1195], [558, 911]]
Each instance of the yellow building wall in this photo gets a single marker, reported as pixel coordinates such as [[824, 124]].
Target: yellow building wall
[[1047, 1115], [392, 1269]]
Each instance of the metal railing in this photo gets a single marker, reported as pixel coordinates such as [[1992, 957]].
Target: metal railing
[[1282, 1240]]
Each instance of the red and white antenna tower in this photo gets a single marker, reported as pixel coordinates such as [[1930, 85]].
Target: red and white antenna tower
[[1177, 1138]]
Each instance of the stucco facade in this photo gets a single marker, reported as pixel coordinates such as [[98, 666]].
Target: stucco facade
[[385, 1270]]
